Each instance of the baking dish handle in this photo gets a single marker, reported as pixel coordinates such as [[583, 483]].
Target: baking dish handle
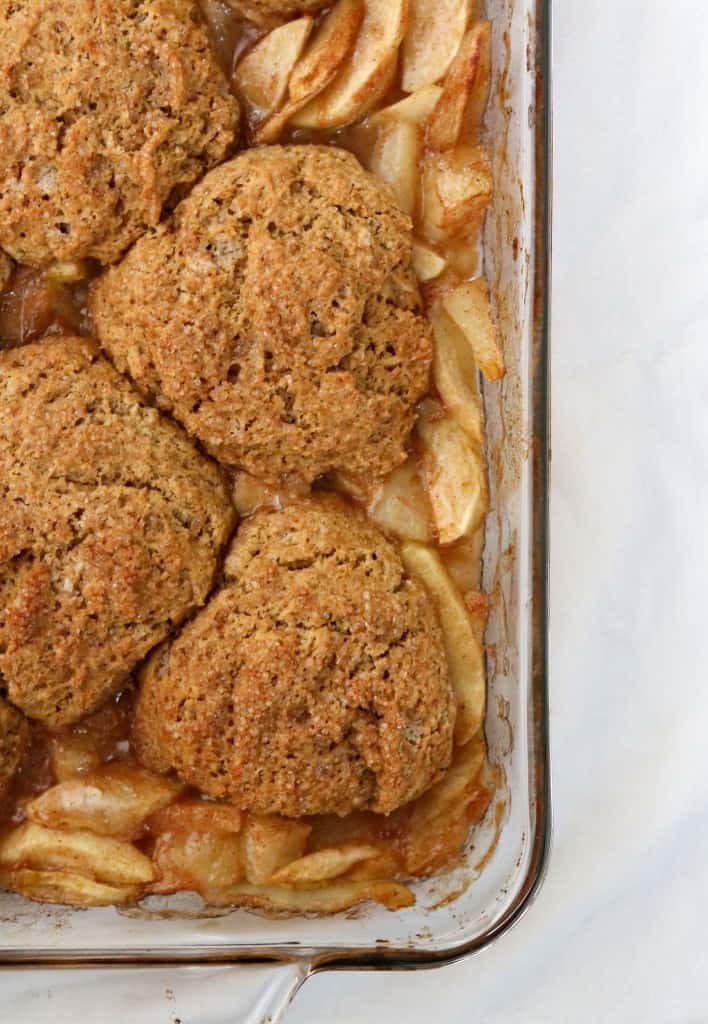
[[219, 994]]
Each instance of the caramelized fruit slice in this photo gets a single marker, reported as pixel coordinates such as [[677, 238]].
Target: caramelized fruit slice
[[460, 109], [435, 32], [367, 75], [261, 79], [465, 656], [470, 308], [454, 471], [324, 865]]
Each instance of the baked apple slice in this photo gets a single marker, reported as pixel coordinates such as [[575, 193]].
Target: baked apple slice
[[454, 472], [367, 75], [395, 159], [470, 308], [325, 53], [427, 263], [460, 109], [414, 109], [455, 374], [400, 506], [456, 189], [435, 31], [261, 78], [465, 655]]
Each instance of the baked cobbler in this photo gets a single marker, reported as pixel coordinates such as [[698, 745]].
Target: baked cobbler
[[243, 319]]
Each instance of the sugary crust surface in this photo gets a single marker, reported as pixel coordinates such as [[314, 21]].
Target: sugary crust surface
[[277, 315], [313, 682], [111, 524], [14, 741], [107, 109]]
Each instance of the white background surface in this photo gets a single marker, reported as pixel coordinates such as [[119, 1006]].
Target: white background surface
[[618, 934]]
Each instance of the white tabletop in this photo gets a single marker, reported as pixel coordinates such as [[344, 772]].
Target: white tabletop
[[618, 934]]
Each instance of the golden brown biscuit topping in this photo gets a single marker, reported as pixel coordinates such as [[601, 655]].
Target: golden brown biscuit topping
[[110, 530], [277, 316], [327, 690], [107, 110]]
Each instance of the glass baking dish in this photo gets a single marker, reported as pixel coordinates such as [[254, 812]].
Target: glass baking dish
[[172, 949]]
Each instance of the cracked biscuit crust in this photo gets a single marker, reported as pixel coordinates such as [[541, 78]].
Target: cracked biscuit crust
[[14, 742], [326, 689], [277, 316], [111, 525], [108, 108]]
